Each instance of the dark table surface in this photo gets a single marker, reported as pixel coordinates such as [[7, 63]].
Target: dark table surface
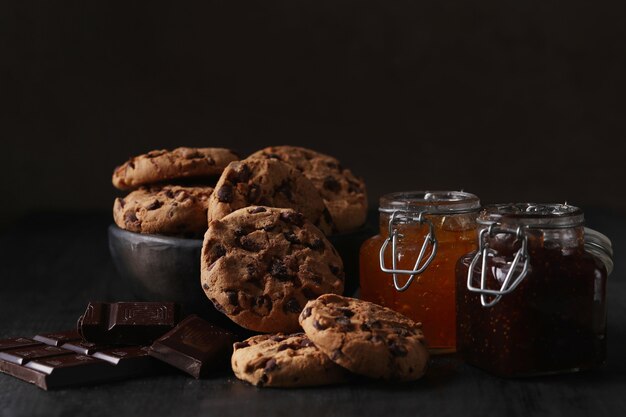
[[51, 265]]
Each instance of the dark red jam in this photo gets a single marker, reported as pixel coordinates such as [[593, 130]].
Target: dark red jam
[[555, 320]]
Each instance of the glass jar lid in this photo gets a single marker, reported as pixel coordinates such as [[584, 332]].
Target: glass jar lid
[[431, 202], [533, 215]]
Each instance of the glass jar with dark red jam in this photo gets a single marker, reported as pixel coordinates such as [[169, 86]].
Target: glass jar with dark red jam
[[409, 266], [532, 299]]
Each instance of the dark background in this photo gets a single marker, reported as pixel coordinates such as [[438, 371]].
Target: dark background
[[511, 100]]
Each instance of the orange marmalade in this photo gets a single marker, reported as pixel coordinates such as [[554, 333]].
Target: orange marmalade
[[428, 232]]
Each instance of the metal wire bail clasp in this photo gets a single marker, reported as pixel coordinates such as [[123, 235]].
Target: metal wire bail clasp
[[429, 240], [510, 282]]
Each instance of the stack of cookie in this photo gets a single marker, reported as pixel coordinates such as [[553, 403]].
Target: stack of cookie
[[170, 190], [342, 336], [173, 190]]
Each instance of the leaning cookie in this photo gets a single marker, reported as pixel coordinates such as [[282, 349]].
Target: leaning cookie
[[343, 193], [164, 166], [366, 338], [166, 210], [268, 182], [260, 266], [284, 361]]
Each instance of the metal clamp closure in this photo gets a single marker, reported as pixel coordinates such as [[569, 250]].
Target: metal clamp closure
[[510, 282], [394, 235]]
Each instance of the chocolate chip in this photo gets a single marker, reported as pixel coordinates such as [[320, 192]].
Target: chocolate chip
[[269, 227], [255, 210], [344, 324], [279, 271], [216, 252], [205, 286], [365, 327], [331, 184], [239, 345], [346, 312], [169, 193], [397, 350], [291, 237], [233, 299], [131, 164], [241, 231], [154, 205], [270, 365], [263, 301], [317, 244], [306, 342], [254, 192], [309, 293], [374, 324], [273, 156], [354, 187], [292, 306], [306, 313], [319, 326], [292, 217], [193, 155], [336, 354], [277, 338], [218, 306], [131, 218], [122, 202], [240, 174], [225, 194], [250, 244]]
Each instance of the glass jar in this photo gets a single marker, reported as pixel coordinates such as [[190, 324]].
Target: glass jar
[[409, 266], [532, 299]]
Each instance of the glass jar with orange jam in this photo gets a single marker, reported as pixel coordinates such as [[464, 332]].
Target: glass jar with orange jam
[[410, 265]]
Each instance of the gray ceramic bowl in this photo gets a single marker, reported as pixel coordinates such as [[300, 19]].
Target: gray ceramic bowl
[[159, 268]]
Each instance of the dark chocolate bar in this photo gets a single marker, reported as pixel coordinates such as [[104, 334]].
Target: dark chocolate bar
[[49, 366], [195, 346], [131, 323], [58, 338]]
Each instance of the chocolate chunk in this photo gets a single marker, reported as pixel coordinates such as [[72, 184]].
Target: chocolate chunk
[[291, 237], [292, 306], [216, 252], [344, 324], [319, 326], [122, 202], [277, 338], [346, 312], [195, 346], [331, 184], [154, 205], [292, 217], [240, 345], [285, 189], [306, 342], [306, 313], [169, 194], [233, 298], [255, 210], [263, 301], [205, 286], [241, 173], [130, 218], [279, 271], [225, 194], [365, 327], [254, 192], [250, 244], [336, 271], [270, 365], [127, 323]]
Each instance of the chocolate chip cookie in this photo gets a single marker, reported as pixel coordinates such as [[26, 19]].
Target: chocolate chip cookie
[[284, 361], [164, 165], [344, 194], [268, 182], [260, 266], [366, 338], [167, 210]]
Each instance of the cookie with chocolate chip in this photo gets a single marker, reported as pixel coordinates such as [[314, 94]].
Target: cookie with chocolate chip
[[281, 360], [260, 266], [166, 210], [268, 182], [344, 194], [178, 164], [366, 338]]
